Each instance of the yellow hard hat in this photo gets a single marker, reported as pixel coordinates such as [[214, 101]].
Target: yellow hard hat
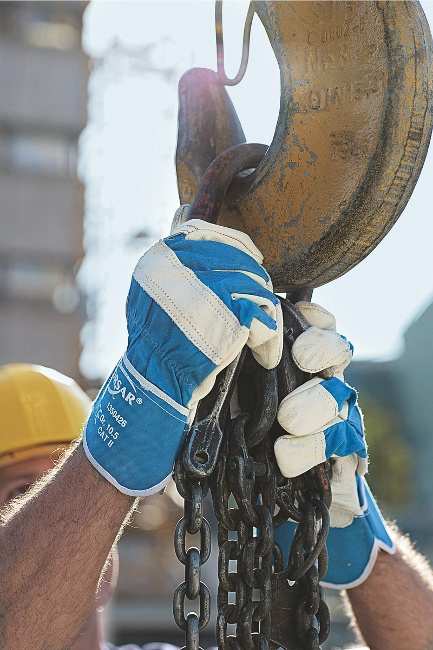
[[41, 411]]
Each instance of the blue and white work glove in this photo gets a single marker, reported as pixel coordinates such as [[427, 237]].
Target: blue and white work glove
[[323, 421], [196, 298]]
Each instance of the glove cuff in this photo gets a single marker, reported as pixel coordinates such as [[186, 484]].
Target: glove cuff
[[353, 550], [134, 432]]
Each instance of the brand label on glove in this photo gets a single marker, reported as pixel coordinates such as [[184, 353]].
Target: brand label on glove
[[133, 434], [117, 388], [119, 395]]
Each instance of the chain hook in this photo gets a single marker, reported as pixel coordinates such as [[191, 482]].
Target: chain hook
[[224, 79]]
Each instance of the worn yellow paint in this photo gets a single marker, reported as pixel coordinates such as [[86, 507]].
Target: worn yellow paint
[[352, 134]]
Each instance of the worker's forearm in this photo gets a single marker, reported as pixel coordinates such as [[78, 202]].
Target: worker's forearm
[[393, 608], [52, 550]]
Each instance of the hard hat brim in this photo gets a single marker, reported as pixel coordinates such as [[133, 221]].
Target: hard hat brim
[[16, 456]]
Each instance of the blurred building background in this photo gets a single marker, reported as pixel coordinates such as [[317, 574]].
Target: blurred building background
[[43, 74], [66, 255], [396, 397]]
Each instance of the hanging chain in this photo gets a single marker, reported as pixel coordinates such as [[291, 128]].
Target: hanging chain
[[244, 497], [192, 588], [308, 561], [267, 605], [194, 465], [305, 500]]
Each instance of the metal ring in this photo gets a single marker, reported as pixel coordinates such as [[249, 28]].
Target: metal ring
[[180, 539], [179, 606]]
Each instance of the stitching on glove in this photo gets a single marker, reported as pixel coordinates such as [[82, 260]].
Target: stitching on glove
[[225, 234], [195, 335], [334, 362], [266, 284], [163, 409], [320, 446], [194, 282], [219, 309], [148, 386], [313, 307], [330, 399]]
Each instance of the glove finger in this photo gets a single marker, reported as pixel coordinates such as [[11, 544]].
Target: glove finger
[[248, 308], [362, 466], [227, 284], [197, 229], [256, 308], [313, 406], [265, 332], [316, 350], [316, 316], [267, 350], [345, 502], [297, 455]]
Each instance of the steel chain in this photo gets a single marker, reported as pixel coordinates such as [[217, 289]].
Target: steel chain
[[250, 498], [192, 588]]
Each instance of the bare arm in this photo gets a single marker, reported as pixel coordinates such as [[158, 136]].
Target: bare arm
[[393, 608], [53, 547]]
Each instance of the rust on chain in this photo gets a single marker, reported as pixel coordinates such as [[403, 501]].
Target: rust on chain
[[352, 134]]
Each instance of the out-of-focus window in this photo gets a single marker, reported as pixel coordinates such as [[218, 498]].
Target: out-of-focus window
[[38, 154], [30, 280], [43, 24], [54, 35]]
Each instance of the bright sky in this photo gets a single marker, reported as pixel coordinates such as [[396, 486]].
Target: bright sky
[[127, 163]]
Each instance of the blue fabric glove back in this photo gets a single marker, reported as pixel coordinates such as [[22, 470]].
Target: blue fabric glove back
[[322, 421], [196, 298]]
